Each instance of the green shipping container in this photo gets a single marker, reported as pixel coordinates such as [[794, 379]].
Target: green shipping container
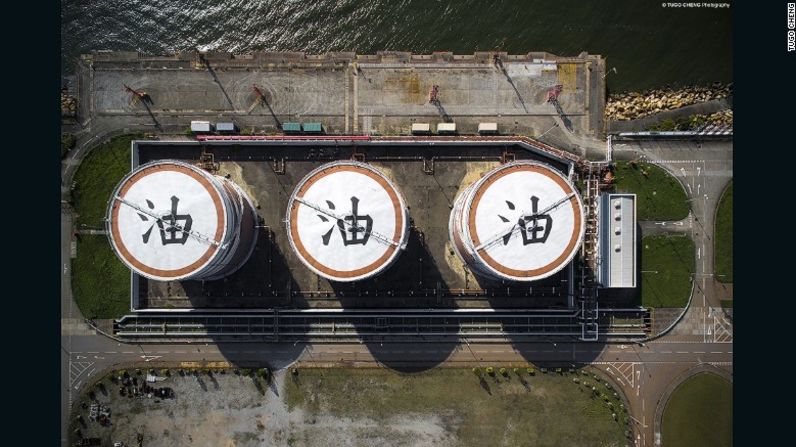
[[291, 127], [312, 127]]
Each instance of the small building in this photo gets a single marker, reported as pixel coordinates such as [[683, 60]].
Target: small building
[[421, 129], [487, 128], [201, 126], [616, 258], [446, 128], [291, 127], [227, 127]]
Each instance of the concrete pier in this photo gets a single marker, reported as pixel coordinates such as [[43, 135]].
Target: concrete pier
[[350, 94]]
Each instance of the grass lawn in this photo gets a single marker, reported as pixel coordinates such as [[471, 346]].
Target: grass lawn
[[699, 413], [100, 282], [667, 262], [659, 195], [723, 237], [547, 410], [99, 173]]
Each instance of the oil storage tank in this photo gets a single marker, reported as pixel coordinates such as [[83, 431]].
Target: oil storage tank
[[170, 220], [522, 221], [346, 221]]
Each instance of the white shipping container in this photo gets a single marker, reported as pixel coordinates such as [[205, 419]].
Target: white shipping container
[[421, 127], [487, 127], [201, 126], [446, 127]]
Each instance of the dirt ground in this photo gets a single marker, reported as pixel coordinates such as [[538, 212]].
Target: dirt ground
[[233, 410], [230, 411]]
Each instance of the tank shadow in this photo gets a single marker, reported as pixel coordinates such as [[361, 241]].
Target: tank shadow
[[245, 338], [409, 341], [263, 282], [554, 336]]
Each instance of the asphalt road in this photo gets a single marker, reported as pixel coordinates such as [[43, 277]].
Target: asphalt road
[[704, 169]]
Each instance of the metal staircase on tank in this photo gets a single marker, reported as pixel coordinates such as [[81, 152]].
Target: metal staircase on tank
[[590, 202]]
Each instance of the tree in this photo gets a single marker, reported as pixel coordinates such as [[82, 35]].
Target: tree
[[477, 371], [67, 143], [503, 371], [490, 370]]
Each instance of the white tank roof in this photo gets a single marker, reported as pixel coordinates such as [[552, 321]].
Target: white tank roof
[[521, 221], [346, 221], [170, 220]]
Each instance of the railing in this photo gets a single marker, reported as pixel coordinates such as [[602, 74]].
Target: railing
[[412, 323]]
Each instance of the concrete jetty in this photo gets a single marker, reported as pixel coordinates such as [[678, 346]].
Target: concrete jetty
[[381, 94]]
